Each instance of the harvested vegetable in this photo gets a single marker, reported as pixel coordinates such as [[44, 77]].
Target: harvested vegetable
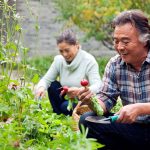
[[96, 106], [64, 91], [84, 82], [94, 101]]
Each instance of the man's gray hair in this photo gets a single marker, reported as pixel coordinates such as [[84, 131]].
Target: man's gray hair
[[137, 19]]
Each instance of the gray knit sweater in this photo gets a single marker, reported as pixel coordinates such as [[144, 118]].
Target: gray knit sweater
[[83, 66]]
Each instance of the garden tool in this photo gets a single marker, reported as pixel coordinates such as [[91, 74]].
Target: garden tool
[[102, 119], [39, 102]]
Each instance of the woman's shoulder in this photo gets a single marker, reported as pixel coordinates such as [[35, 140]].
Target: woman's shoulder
[[58, 58], [87, 55]]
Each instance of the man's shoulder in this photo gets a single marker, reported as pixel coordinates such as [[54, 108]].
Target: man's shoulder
[[115, 62], [116, 59]]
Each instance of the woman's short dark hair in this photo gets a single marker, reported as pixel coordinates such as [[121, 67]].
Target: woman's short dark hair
[[67, 36], [137, 19]]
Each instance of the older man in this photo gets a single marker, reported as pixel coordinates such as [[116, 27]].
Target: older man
[[126, 75]]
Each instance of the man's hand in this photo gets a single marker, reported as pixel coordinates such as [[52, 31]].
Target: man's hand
[[72, 92], [129, 113], [85, 95]]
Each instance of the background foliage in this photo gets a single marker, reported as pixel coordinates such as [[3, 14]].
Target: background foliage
[[95, 16]]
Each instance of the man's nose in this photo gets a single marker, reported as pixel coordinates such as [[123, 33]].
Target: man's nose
[[120, 46]]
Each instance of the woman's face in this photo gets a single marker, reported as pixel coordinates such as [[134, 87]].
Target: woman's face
[[68, 51]]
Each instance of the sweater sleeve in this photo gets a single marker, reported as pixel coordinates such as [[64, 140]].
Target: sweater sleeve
[[93, 76], [51, 74]]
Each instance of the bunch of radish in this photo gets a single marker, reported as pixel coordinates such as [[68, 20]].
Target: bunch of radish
[[64, 91], [94, 100]]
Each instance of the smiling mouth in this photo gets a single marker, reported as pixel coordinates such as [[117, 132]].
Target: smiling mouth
[[67, 58], [123, 54]]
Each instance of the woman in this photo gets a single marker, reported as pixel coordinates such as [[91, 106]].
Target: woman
[[70, 67]]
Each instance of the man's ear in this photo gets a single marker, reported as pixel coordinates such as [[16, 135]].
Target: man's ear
[[145, 43], [145, 39]]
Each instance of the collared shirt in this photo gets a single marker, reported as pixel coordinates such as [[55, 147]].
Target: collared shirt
[[121, 79]]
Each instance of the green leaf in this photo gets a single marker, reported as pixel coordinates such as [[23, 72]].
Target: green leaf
[[35, 78], [4, 108], [18, 28]]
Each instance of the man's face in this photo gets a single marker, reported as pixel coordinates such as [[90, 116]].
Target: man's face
[[127, 44]]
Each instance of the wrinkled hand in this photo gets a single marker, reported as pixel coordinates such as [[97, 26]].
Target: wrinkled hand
[[128, 113], [85, 95], [40, 92], [73, 92]]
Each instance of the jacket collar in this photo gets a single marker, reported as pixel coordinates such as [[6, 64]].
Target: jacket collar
[[75, 62]]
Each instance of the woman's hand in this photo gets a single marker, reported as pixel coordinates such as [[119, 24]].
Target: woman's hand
[[73, 92], [129, 113], [40, 92]]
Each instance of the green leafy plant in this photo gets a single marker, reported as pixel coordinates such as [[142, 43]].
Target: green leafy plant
[[23, 125]]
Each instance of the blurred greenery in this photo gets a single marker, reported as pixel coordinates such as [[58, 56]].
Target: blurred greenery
[[94, 16], [41, 64], [102, 61]]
